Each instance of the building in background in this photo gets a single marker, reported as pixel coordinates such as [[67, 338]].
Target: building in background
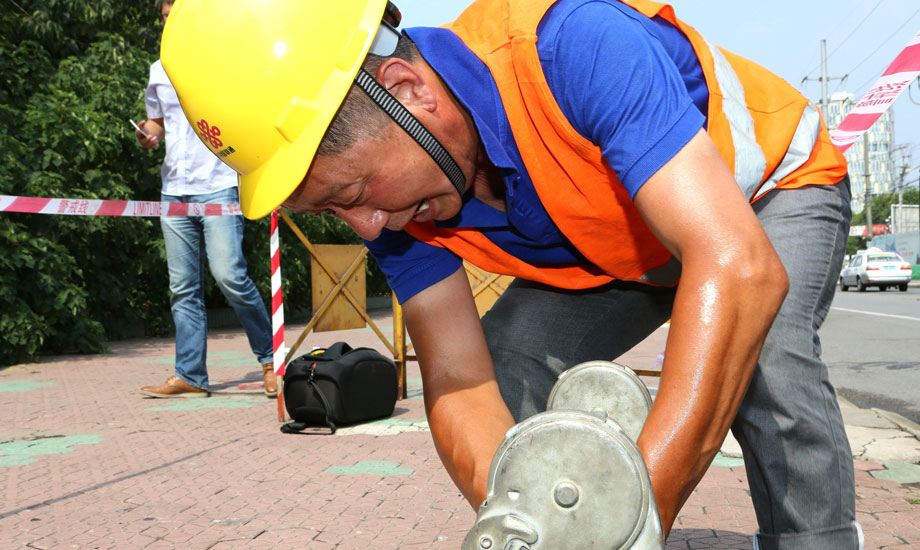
[[905, 218], [883, 174]]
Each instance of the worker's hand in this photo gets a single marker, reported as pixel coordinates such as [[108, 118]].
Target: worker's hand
[[154, 133]]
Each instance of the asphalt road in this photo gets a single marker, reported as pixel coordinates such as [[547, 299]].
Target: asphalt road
[[871, 344]]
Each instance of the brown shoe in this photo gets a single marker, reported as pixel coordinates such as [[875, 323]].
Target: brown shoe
[[270, 380], [174, 387]]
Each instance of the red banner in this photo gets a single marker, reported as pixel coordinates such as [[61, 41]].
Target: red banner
[[899, 75], [97, 207]]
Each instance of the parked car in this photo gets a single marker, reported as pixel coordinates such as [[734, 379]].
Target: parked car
[[875, 267]]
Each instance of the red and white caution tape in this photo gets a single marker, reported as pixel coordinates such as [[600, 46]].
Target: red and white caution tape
[[87, 207], [277, 300], [896, 78]]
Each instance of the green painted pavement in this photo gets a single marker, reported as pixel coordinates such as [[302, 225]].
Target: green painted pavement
[[382, 468], [900, 472], [416, 391], [21, 453], [400, 421], [197, 404], [727, 461], [19, 386]]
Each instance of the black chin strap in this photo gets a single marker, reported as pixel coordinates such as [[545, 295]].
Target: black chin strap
[[413, 127]]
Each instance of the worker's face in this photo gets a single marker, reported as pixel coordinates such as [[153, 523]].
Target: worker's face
[[164, 11], [378, 183]]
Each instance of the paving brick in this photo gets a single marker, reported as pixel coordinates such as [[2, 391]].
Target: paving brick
[[165, 476]]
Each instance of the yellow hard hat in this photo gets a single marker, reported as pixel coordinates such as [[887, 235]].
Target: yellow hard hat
[[260, 81]]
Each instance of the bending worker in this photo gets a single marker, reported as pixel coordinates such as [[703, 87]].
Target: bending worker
[[625, 170]]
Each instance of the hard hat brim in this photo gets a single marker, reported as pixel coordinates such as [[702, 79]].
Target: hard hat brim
[[279, 177]]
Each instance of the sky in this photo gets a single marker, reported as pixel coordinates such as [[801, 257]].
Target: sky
[[862, 38]]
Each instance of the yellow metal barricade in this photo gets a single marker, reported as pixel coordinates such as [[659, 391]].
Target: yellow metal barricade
[[344, 308], [337, 307]]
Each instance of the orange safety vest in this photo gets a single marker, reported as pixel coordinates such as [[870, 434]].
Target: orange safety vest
[[768, 134]]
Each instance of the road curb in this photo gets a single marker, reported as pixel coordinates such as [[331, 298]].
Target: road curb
[[905, 424]]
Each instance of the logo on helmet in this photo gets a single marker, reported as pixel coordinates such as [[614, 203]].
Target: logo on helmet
[[209, 134]]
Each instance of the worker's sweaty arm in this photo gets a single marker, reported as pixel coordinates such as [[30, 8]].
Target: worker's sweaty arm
[[732, 285], [467, 415]]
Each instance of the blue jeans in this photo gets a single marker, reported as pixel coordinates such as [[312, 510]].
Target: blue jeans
[[220, 238], [796, 453]]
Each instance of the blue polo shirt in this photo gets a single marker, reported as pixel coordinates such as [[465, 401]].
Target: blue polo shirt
[[629, 84]]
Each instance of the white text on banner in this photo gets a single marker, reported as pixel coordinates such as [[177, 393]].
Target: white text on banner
[[896, 78]]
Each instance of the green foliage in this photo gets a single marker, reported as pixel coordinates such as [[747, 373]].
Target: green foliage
[[881, 206], [71, 75], [855, 244]]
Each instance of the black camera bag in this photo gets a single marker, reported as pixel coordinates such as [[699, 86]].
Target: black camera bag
[[338, 386]]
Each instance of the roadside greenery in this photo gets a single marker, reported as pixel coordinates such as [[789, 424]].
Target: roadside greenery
[[881, 211], [71, 75]]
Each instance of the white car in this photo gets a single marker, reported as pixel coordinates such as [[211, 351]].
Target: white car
[[875, 267]]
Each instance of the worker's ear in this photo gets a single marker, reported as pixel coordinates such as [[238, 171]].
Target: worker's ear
[[407, 84]]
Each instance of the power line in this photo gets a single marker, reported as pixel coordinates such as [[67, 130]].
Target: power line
[[841, 83], [864, 19], [870, 81], [892, 35], [910, 94]]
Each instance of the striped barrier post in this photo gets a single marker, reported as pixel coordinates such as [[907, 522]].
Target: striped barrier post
[[277, 314]]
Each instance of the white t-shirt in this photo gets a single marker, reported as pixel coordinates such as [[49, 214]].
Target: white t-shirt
[[189, 168]]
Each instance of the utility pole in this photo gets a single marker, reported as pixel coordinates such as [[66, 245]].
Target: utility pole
[[896, 210], [824, 79], [868, 190], [905, 167]]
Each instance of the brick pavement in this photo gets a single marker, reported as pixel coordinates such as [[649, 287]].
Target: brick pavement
[[88, 463]]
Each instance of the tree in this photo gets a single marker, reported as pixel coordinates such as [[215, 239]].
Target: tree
[[70, 73], [881, 211], [73, 73]]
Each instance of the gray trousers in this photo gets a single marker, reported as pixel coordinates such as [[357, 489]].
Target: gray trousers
[[796, 453]]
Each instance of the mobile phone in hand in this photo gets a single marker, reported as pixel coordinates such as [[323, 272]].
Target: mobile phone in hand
[[138, 128]]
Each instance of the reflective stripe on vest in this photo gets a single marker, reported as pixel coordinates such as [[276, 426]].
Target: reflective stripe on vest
[[799, 151], [750, 162]]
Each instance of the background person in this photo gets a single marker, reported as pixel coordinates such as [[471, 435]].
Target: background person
[[598, 153], [192, 174]]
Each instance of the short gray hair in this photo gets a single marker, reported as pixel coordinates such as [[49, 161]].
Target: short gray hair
[[358, 116]]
